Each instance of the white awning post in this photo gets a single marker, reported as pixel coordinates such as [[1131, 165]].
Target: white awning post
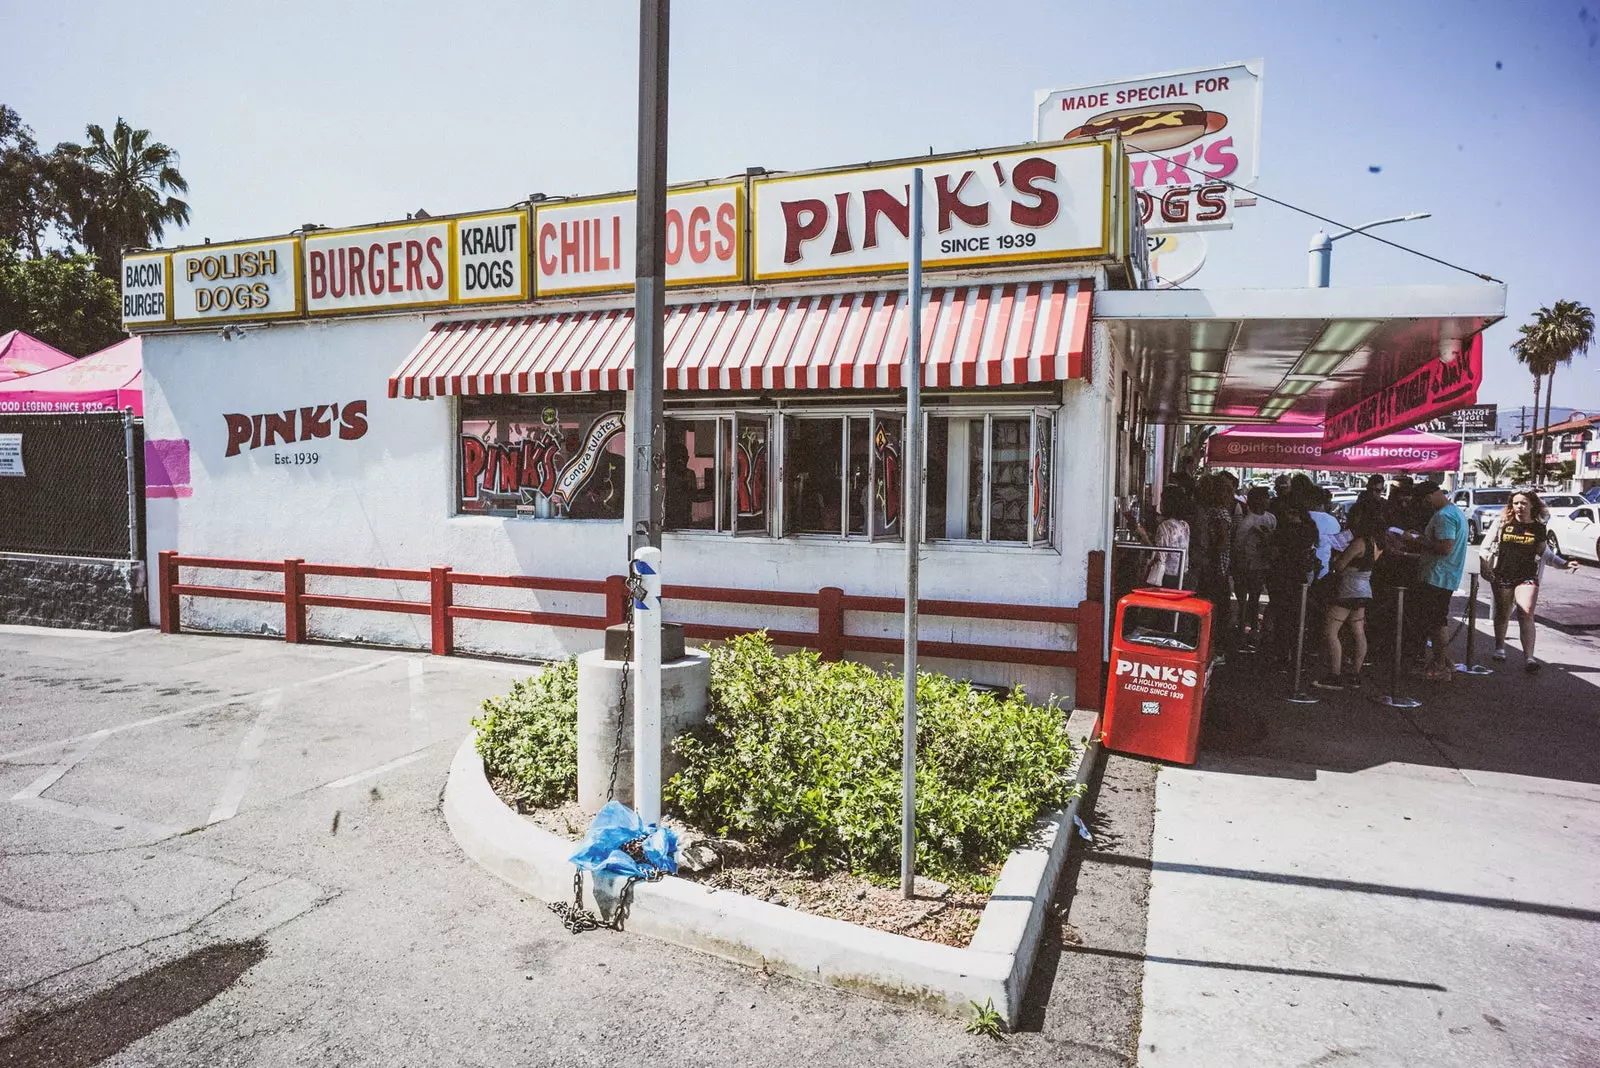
[[647, 684], [911, 527]]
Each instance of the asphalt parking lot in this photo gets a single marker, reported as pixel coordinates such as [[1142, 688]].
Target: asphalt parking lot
[[228, 851]]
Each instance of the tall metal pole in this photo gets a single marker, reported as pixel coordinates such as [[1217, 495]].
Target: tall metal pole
[[911, 527], [649, 382], [650, 267]]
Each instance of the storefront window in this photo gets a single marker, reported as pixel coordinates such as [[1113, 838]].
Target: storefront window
[[989, 477], [842, 475], [718, 474], [542, 457]]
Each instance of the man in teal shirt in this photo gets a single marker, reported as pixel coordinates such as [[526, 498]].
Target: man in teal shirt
[[1444, 560]]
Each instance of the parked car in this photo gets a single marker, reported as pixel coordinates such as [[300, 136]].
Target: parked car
[[1575, 532], [1479, 505], [1592, 495], [1562, 501]]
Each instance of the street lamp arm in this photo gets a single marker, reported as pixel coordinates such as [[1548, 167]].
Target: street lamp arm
[[1381, 222]]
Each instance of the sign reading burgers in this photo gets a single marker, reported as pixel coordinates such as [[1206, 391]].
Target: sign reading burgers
[[1191, 136]]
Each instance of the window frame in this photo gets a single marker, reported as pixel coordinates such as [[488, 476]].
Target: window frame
[[728, 419], [1034, 413], [608, 401]]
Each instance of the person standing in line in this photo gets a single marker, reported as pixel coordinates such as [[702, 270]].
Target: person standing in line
[[1250, 541], [1348, 610], [1211, 554], [1177, 508], [1444, 561], [1514, 553]]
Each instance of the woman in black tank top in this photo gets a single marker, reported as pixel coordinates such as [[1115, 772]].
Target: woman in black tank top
[[1516, 547]]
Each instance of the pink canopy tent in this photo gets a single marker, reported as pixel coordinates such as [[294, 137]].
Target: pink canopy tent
[[106, 381], [1301, 446], [23, 354]]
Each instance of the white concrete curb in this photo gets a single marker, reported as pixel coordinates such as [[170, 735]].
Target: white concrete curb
[[740, 928]]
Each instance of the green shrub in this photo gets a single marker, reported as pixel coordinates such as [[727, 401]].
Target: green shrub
[[530, 736], [803, 757]]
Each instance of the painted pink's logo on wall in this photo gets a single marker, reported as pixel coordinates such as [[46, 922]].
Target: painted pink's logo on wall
[[293, 425], [1185, 132]]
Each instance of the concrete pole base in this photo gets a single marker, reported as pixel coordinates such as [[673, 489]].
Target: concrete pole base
[[685, 688]]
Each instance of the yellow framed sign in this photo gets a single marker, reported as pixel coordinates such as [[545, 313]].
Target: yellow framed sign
[[147, 289], [1034, 204], [241, 280], [589, 245]]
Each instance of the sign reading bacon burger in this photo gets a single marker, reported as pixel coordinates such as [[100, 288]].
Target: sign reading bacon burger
[[1191, 135]]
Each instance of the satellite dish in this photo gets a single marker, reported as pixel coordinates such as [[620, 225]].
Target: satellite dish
[[1175, 258]]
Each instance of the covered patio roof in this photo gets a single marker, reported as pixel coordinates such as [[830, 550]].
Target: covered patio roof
[[1286, 355]]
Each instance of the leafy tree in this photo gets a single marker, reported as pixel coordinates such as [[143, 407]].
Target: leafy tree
[[1530, 352], [28, 206], [1493, 468], [60, 299], [1557, 334], [118, 192], [1563, 472]]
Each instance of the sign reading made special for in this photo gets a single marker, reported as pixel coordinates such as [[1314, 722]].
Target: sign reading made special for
[[1185, 131], [589, 246], [1035, 204], [254, 280]]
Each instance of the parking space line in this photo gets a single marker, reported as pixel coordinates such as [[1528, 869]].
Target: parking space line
[[244, 760], [165, 716], [351, 780], [421, 733], [117, 821], [51, 776]]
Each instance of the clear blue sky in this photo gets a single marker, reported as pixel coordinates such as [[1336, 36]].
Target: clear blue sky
[[1484, 112]]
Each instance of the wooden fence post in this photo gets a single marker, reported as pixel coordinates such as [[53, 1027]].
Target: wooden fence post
[[294, 613], [444, 629], [830, 622], [1091, 635], [616, 600], [167, 577]]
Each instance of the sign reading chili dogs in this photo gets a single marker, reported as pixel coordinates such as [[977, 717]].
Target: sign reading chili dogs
[[1185, 131], [588, 246], [1042, 203], [1432, 389]]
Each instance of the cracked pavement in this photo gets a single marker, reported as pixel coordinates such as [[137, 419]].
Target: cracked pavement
[[164, 794]]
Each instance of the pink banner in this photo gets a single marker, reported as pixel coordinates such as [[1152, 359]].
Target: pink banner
[[1302, 447], [1431, 390]]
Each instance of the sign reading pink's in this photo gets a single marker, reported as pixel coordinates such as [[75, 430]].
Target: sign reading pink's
[[106, 381], [1302, 447], [23, 354], [1431, 390]]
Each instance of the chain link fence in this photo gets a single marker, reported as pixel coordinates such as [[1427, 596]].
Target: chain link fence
[[72, 485]]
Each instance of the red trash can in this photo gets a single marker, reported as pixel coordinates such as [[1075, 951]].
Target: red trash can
[[1160, 658]]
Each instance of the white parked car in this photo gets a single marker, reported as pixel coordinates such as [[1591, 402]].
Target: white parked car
[[1575, 532]]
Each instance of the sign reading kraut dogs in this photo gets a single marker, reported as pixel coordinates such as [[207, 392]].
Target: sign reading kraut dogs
[[1184, 132], [1044, 203]]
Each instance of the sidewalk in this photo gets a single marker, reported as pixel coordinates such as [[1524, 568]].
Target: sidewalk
[[1348, 883]]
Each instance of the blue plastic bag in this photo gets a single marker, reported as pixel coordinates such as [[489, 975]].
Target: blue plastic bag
[[616, 824]]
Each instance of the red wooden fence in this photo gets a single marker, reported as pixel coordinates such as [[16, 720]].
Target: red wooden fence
[[831, 604]]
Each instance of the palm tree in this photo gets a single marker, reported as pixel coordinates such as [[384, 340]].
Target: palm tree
[[1521, 470], [1557, 334], [120, 191], [1530, 352], [1493, 468]]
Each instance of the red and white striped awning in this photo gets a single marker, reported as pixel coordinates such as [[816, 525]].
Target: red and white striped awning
[[972, 336]]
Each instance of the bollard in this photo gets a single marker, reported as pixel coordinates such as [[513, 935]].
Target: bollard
[[1392, 698], [1298, 696], [1469, 668]]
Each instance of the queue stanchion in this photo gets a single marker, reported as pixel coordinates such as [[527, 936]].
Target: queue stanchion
[[1298, 694], [1393, 698], [1470, 668]]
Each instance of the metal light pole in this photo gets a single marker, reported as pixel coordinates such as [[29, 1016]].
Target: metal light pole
[[911, 527], [1321, 252], [649, 382]]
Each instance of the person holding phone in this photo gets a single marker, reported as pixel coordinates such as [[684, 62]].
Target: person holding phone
[[1515, 550]]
